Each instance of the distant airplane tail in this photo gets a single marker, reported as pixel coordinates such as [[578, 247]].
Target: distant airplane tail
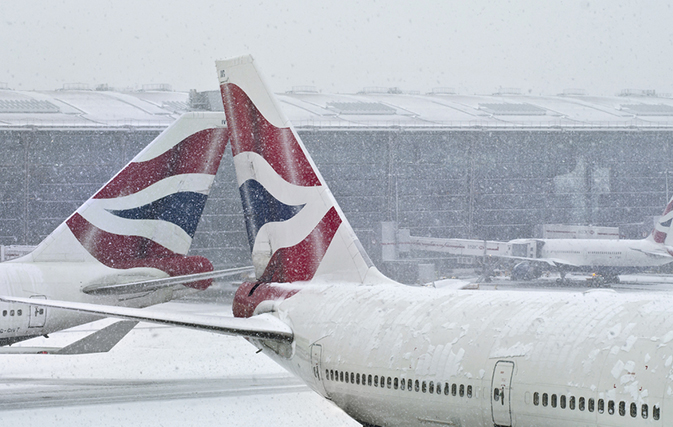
[[662, 232], [296, 230], [146, 216]]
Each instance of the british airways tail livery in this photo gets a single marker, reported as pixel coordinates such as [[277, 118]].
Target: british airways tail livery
[[663, 233], [296, 230], [138, 227], [393, 355]]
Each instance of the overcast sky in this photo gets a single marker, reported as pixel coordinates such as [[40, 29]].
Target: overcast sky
[[542, 47]]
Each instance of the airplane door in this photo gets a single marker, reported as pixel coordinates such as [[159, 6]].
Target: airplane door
[[37, 315], [501, 407], [316, 364]]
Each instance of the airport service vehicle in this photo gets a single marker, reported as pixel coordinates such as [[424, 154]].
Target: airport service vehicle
[[127, 245], [394, 355]]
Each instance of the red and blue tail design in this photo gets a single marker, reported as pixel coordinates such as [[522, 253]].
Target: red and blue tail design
[[146, 216], [662, 227], [296, 230]]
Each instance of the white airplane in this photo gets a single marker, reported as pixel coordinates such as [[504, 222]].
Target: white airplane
[[393, 355], [605, 257], [127, 245]]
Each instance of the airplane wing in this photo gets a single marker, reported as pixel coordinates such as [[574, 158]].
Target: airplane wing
[[264, 326], [151, 285], [549, 261], [100, 341]]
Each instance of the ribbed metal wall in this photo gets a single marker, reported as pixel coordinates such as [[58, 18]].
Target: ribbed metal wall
[[496, 184]]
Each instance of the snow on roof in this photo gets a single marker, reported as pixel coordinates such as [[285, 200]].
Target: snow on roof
[[441, 109]]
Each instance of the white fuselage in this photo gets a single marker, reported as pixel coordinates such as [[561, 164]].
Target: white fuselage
[[606, 253], [556, 359], [63, 281]]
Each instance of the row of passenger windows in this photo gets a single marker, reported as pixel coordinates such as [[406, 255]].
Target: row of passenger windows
[[19, 312], [589, 404], [399, 383]]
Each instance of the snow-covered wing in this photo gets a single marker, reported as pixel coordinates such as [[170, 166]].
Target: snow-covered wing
[[263, 326]]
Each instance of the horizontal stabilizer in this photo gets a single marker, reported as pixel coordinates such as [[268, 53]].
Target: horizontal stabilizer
[[264, 326], [154, 284], [100, 341]]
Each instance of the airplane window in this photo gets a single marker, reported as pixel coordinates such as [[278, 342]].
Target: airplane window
[[591, 404], [19, 312], [417, 385], [469, 391], [357, 379], [341, 375], [581, 404], [536, 398], [446, 389], [424, 387], [633, 410], [331, 374], [395, 383], [439, 388], [644, 411], [611, 407], [462, 390], [562, 401], [4, 312], [376, 380], [496, 394], [601, 406], [389, 382], [369, 379], [11, 312], [326, 373], [409, 385], [622, 408], [655, 412], [402, 384], [553, 401], [545, 399], [432, 387], [571, 403], [454, 388], [347, 377]]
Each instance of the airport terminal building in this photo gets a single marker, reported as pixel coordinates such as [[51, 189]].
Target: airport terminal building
[[440, 164]]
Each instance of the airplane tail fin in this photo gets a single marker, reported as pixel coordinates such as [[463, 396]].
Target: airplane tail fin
[[662, 232], [296, 230], [147, 214]]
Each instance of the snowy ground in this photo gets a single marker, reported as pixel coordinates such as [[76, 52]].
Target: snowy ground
[[158, 376]]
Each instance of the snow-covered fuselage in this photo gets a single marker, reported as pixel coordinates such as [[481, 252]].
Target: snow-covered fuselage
[[399, 356]]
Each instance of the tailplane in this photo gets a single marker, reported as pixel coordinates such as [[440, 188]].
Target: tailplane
[[146, 216], [296, 230]]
